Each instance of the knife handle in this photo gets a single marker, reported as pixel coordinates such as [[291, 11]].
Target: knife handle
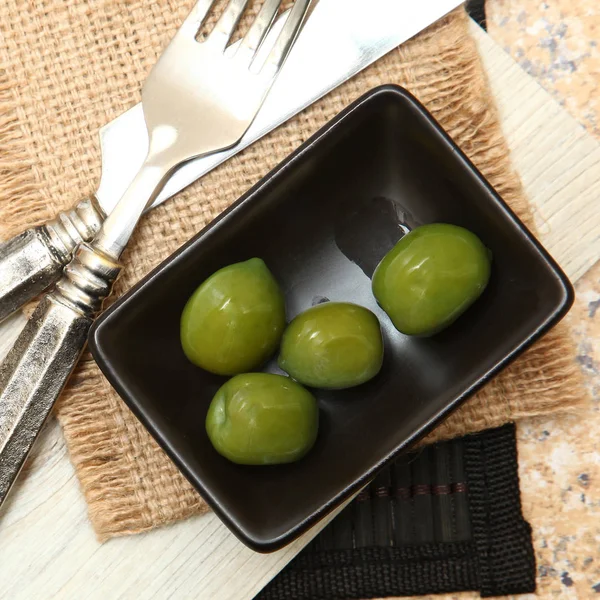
[[39, 364], [33, 260]]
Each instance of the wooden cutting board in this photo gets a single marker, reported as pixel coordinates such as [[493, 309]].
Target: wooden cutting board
[[47, 546]]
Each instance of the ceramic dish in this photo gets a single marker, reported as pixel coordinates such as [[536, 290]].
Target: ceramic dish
[[322, 220]]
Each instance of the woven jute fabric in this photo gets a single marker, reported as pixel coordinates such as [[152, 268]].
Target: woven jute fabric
[[69, 66]]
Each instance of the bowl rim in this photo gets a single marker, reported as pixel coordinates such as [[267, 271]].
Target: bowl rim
[[259, 543]]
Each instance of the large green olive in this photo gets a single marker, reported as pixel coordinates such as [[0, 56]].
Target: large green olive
[[430, 277], [262, 419], [334, 345], [233, 322]]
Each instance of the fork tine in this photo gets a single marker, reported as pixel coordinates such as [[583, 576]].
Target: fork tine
[[194, 20], [288, 34], [258, 30], [227, 22]]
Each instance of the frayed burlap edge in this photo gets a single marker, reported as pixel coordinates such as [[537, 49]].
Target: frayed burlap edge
[[126, 507], [16, 181], [129, 484], [113, 492]]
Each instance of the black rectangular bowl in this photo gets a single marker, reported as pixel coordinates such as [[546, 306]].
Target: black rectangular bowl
[[322, 220]]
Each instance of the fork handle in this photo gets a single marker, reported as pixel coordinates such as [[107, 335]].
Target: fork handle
[[39, 364], [33, 260]]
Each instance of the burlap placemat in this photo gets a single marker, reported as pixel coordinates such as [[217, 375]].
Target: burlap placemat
[[67, 67]]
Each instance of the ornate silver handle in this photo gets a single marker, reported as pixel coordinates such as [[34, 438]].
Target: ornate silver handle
[[36, 369], [33, 260], [38, 366]]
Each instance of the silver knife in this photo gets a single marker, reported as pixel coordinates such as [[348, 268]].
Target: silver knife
[[351, 39]]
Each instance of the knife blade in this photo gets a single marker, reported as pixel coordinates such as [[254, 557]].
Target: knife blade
[[341, 40]]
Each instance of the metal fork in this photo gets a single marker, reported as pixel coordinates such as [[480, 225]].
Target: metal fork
[[199, 98]]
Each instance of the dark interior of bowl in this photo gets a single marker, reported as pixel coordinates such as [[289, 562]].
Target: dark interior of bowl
[[321, 221]]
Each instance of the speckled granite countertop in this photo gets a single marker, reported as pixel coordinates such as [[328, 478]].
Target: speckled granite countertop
[[556, 41]]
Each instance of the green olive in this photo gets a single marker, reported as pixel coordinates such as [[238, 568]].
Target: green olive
[[262, 419], [233, 322], [430, 277], [334, 345]]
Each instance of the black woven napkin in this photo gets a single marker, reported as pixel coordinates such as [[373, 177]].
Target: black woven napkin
[[444, 519], [476, 10]]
